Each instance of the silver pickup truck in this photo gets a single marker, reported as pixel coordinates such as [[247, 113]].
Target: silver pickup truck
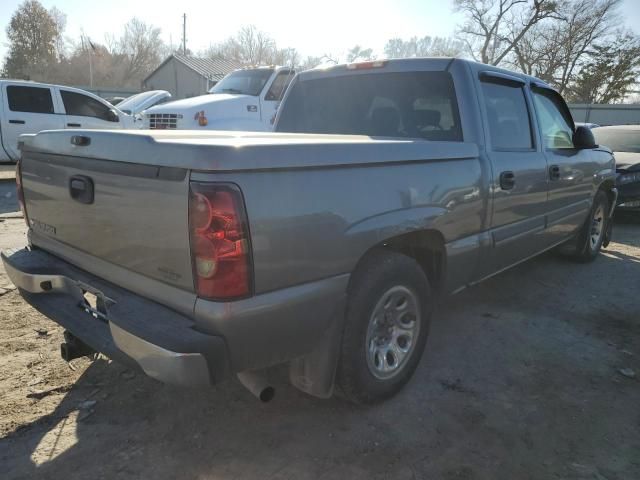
[[197, 256]]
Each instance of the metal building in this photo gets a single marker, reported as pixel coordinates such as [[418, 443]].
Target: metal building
[[617, 114], [184, 76]]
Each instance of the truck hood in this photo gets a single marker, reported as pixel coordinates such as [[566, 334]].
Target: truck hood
[[627, 160], [212, 104], [141, 101]]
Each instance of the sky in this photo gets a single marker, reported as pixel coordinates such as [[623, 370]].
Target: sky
[[313, 28]]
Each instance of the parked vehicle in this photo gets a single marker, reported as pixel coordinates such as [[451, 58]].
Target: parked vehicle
[[590, 125], [135, 105], [246, 99], [624, 140], [29, 107], [115, 100], [194, 257]]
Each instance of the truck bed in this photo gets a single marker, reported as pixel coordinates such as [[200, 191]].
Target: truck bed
[[233, 151]]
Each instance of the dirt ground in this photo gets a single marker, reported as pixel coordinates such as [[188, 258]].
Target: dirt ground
[[528, 376]]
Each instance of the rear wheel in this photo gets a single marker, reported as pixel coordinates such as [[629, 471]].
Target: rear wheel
[[593, 232], [386, 327]]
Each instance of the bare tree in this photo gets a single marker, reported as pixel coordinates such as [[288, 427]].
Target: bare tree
[[60, 21], [423, 47], [493, 27], [309, 62], [357, 53], [249, 46], [122, 61], [285, 56], [556, 50], [138, 51]]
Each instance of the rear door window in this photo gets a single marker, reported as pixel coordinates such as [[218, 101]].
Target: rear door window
[[29, 99], [507, 116], [399, 105]]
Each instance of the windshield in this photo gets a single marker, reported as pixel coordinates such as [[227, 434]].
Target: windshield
[[243, 82], [618, 140], [405, 105]]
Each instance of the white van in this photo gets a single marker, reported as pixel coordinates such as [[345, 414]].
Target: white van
[[29, 107]]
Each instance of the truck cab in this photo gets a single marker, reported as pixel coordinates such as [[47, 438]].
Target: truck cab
[[246, 99], [30, 107]]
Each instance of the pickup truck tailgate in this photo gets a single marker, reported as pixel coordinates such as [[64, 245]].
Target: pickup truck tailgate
[[131, 215]]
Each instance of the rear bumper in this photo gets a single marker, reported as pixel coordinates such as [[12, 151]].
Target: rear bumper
[[133, 330]]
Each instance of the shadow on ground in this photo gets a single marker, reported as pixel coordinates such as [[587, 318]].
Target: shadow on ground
[[8, 199], [520, 380]]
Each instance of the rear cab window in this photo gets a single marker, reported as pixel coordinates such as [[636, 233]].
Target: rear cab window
[[419, 105], [30, 99]]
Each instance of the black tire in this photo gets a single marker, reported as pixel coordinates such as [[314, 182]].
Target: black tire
[[383, 271], [586, 248]]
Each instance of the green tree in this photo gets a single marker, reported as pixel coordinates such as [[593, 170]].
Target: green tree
[[33, 34], [610, 74]]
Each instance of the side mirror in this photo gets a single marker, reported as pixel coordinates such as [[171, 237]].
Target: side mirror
[[583, 138], [112, 116]]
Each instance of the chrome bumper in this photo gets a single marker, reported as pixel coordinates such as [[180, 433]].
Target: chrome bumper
[[62, 298]]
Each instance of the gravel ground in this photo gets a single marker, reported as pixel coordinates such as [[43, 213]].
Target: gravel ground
[[8, 199], [527, 376]]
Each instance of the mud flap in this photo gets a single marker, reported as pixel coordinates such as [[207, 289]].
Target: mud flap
[[608, 233], [315, 372]]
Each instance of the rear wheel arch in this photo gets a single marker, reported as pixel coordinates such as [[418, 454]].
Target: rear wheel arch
[[426, 247]]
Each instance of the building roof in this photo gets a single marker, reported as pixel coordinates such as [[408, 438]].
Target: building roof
[[211, 68]]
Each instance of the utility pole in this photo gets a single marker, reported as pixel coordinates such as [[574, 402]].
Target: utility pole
[[184, 33], [88, 49]]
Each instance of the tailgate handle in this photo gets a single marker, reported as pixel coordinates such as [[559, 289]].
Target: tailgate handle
[[81, 188]]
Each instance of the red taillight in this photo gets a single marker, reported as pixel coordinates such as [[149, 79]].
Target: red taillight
[[367, 65], [20, 192], [219, 241]]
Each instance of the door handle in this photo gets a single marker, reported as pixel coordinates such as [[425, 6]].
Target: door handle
[[18, 122], [507, 180], [73, 125], [554, 172]]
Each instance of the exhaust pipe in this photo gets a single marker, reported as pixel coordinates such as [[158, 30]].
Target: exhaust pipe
[[73, 347], [256, 382]]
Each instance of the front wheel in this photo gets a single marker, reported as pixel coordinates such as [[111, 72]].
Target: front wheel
[[386, 327], [594, 230]]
